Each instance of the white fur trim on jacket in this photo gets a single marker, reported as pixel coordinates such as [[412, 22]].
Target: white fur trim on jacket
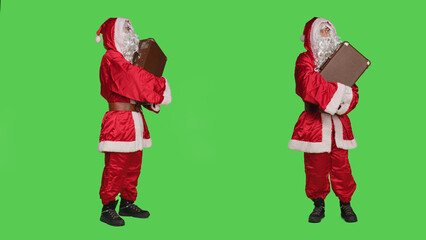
[[336, 100], [315, 147], [167, 95], [146, 143], [340, 142], [133, 146], [346, 101]]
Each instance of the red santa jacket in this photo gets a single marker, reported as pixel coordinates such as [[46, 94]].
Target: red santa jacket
[[124, 131], [313, 130]]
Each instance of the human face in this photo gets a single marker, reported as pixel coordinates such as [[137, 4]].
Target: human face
[[325, 32], [127, 29]]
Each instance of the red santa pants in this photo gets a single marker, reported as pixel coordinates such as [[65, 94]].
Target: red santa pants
[[318, 166], [120, 175]]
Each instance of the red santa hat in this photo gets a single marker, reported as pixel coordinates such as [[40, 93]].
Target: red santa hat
[[307, 29], [112, 30], [107, 28], [314, 24], [98, 38]]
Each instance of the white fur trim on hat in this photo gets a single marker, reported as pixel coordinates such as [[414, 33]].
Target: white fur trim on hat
[[98, 39], [118, 34]]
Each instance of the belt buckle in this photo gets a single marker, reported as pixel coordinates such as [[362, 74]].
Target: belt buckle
[[138, 107]]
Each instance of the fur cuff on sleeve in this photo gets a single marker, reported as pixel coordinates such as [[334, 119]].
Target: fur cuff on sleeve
[[336, 100], [167, 95], [346, 101]]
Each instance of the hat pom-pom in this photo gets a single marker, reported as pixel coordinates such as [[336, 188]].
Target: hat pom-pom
[[98, 39], [302, 38]]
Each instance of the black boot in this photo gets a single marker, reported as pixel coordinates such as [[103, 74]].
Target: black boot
[[110, 216], [319, 212], [127, 208], [347, 213]]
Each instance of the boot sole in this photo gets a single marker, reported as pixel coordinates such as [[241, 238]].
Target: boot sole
[[313, 221], [349, 221], [130, 215], [111, 224]]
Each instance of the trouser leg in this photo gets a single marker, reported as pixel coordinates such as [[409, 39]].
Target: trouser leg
[[317, 169], [113, 176], [342, 182], [128, 188]]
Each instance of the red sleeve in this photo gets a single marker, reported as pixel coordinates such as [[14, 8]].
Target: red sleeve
[[134, 82], [312, 87]]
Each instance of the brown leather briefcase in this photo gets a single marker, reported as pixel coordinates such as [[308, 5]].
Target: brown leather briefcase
[[150, 57], [346, 65]]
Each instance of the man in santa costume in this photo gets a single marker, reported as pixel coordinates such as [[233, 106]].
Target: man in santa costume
[[124, 132], [323, 131]]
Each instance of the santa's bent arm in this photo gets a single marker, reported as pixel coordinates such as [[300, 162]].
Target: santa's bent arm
[[134, 82], [313, 88]]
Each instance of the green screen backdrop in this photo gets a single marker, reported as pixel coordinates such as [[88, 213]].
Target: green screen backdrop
[[219, 167]]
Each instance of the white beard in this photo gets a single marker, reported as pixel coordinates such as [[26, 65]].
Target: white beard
[[131, 45], [324, 48]]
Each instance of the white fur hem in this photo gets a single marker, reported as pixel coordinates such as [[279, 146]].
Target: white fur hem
[[336, 100], [315, 147], [346, 101], [133, 146], [117, 146], [340, 142], [146, 143], [167, 95]]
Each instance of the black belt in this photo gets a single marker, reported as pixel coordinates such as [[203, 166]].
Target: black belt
[[121, 106], [312, 107]]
